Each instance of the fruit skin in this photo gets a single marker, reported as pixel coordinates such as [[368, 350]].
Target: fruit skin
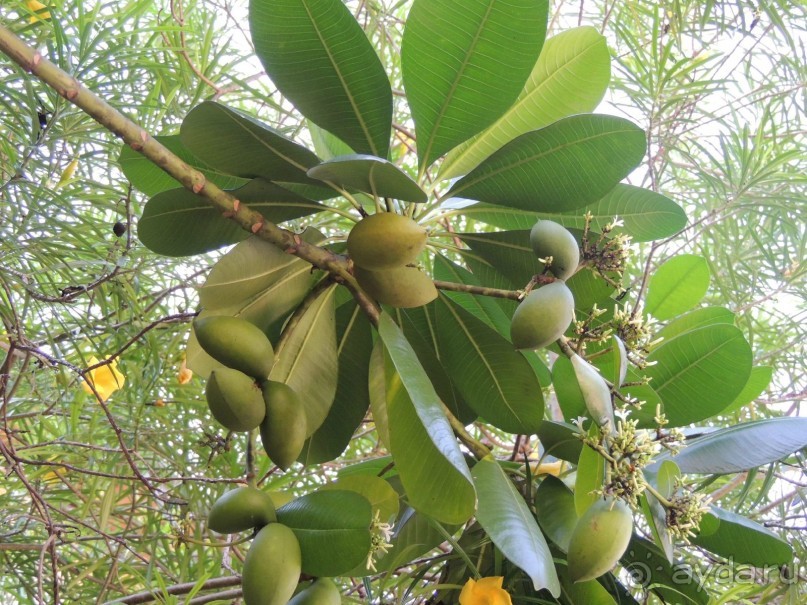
[[403, 287], [542, 317], [272, 566], [548, 238], [234, 399], [321, 592], [241, 509], [236, 343], [595, 391], [599, 539], [385, 240], [284, 429]]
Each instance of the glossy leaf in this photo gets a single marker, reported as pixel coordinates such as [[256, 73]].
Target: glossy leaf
[[378, 492], [693, 320], [320, 59], [566, 165], [560, 439], [423, 445], [758, 382], [463, 63], [333, 529], [700, 372], [742, 540], [554, 506], [648, 567], [494, 379], [570, 77], [307, 359], [178, 222], [590, 477], [505, 517], [369, 174], [677, 286]]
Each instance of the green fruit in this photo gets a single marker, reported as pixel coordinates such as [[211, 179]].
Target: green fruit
[[542, 317], [241, 509], [404, 287], [321, 592], [599, 539], [284, 429], [551, 239], [595, 391], [234, 399], [385, 240], [236, 343], [272, 566]]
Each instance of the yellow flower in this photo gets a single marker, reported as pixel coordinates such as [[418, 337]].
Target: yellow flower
[[106, 379], [185, 373], [486, 591], [34, 6]]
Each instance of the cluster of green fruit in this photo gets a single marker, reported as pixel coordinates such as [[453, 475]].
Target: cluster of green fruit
[[241, 397], [272, 566]]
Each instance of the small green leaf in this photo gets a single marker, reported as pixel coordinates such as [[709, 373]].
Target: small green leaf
[[743, 540], [378, 492], [567, 389], [590, 477], [677, 286], [320, 59], [560, 439], [504, 515], [693, 320], [554, 506], [369, 174], [566, 165]]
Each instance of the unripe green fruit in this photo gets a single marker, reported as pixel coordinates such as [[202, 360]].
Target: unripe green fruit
[[234, 399], [599, 539], [403, 287], [236, 343], [241, 509], [548, 238], [542, 317], [272, 566], [385, 240], [284, 429], [321, 592]]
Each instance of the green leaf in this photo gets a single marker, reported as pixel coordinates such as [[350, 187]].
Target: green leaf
[[150, 179], [590, 592], [415, 535], [590, 477], [646, 214], [655, 514], [567, 389], [495, 380], [560, 439], [648, 567], [570, 77], [700, 372], [677, 286], [379, 380], [326, 145], [463, 63], [238, 144], [320, 59], [378, 492], [744, 446], [742, 540], [307, 359], [178, 222], [354, 343], [333, 528], [758, 381], [693, 320], [423, 445], [369, 174], [566, 165], [504, 515], [554, 506]]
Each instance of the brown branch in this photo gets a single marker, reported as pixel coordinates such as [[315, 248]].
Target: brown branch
[[481, 290], [177, 589]]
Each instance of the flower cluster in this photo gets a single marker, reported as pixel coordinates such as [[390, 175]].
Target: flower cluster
[[606, 255], [380, 535], [684, 513]]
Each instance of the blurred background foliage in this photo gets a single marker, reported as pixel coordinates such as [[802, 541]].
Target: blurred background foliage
[[110, 500]]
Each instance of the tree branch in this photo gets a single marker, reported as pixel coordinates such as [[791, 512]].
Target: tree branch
[[152, 595]]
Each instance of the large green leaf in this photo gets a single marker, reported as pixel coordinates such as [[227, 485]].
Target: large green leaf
[[566, 165], [150, 179], [758, 381], [700, 372], [178, 222], [590, 477], [741, 540], [321, 60], [333, 529], [693, 320], [554, 506], [495, 380], [649, 568], [463, 63], [423, 445], [354, 343], [307, 359], [570, 77], [646, 215], [504, 515], [677, 286], [369, 174], [567, 389]]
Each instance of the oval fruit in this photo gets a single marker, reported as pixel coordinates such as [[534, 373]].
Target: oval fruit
[[272, 566], [241, 509], [542, 317], [321, 592], [599, 539], [234, 399], [284, 429], [548, 238], [385, 240], [403, 287], [595, 391], [236, 343]]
